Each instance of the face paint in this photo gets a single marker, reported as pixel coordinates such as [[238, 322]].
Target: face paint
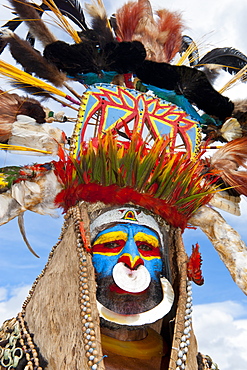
[[131, 244]]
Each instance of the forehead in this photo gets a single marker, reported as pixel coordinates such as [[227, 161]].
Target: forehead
[[129, 228]]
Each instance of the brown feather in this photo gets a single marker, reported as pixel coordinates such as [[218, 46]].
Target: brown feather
[[37, 27], [227, 161], [32, 60], [170, 28]]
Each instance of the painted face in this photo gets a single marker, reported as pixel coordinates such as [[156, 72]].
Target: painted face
[[128, 264]]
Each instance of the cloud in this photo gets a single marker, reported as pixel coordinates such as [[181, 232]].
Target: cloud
[[10, 306], [221, 331]]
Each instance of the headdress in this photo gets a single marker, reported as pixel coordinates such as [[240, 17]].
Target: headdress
[[136, 153]]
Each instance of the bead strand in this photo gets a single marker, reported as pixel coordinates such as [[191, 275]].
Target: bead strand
[[28, 346], [88, 326], [185, 339]]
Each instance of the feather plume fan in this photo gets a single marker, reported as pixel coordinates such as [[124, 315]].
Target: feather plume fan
[[227, 160], [31, 60], [30, 16]]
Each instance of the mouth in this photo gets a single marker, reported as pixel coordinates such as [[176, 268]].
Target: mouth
[[116, 289]]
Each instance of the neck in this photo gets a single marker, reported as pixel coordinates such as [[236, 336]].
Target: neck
[[125, 334]]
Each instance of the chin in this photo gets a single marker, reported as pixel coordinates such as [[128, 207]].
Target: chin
[[122, 302]]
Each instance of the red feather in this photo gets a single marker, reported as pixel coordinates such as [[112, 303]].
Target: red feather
[[170, 24], [128, 18], [194, 271]]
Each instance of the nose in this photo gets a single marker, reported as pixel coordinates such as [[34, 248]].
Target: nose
[[130, 255]]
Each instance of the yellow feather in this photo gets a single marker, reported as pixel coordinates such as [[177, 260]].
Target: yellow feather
[[190, 50], [18, 75], [22, 148], [234, 79], [63, 22]]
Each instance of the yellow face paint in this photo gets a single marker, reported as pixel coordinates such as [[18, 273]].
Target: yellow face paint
[[150, 239], [111, 236]]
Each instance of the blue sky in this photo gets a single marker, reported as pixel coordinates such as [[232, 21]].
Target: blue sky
[[220, 313]]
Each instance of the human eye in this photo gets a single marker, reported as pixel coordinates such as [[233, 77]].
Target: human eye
[[112, 245], [144, 246]]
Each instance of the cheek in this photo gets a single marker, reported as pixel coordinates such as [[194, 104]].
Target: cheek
[[154, 267], [104, 264]]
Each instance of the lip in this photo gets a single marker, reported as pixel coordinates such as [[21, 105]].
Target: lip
[[114, 288]]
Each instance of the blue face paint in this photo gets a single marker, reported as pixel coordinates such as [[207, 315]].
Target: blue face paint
[[130, 243]]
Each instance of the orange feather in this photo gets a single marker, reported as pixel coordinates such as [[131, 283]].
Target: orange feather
[[170, 26], [227, 160], [194, 263]]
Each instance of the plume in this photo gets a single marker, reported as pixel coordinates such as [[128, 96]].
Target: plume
[[127, 18], [230, 130], [31, 60], [190, 82], [61, 20], [226, 202], [72, 9], [170, 27], [18, 76], [230, 59], [100, 23], [30, 16], [227, 160], [194, 263]]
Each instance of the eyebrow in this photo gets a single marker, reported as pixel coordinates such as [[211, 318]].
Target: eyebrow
[[111, 236], [151, 239]]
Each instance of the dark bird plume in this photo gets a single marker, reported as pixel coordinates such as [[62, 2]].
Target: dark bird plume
[[230, 60]]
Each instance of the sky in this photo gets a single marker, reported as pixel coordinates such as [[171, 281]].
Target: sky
[[220, 307]]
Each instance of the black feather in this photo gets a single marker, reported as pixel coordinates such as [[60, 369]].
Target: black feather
[[88, 57], [190, 82], [72, 9], [232, 60]]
